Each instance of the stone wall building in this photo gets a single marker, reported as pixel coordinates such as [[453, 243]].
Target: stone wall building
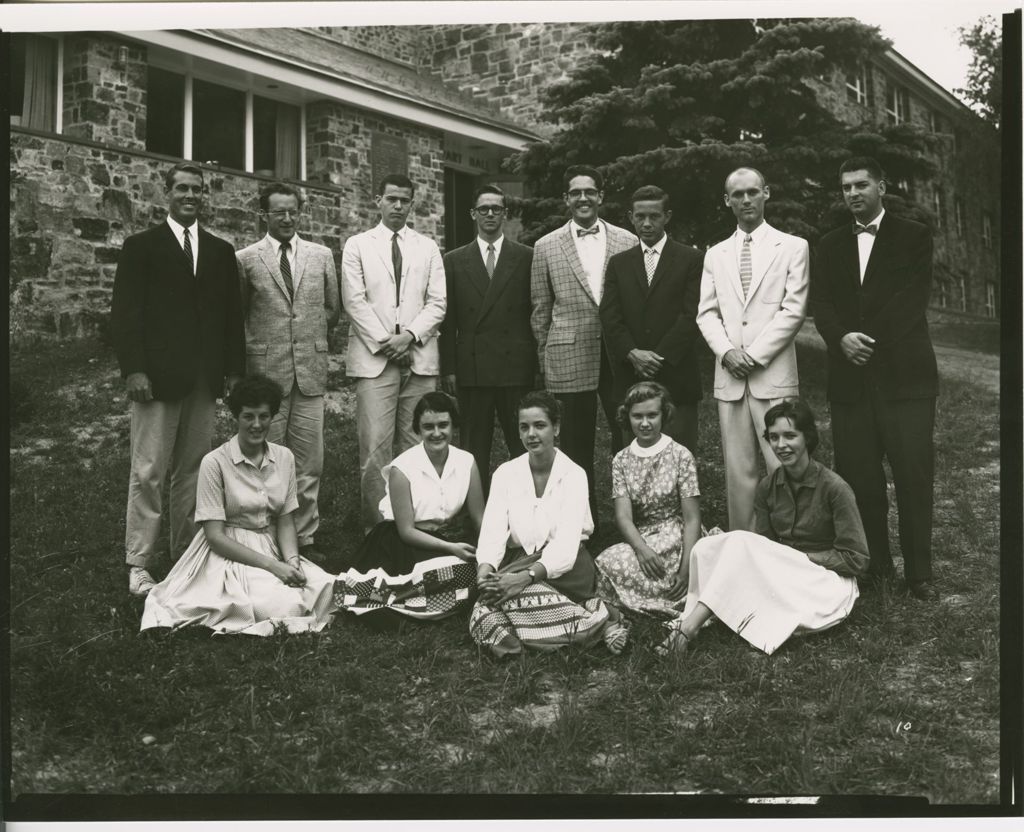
[[101, 115]]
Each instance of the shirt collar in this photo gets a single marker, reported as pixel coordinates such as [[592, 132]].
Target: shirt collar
[[480, 241], [810, 479], [276, 244], [573, 226], [427, 467], [179, 229], [658, 246], [756, 235], [877, 221], [636, 449], [237, 457], [387, 232]]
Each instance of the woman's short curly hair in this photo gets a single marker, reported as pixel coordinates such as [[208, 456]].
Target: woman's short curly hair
[[436, 402], [545, 401], [800, 414], [644, 391], [252, 391]]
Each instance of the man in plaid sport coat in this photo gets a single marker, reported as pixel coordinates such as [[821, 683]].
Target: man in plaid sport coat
[[566, 284]]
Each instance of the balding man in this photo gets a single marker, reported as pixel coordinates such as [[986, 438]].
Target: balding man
[[753, 301]]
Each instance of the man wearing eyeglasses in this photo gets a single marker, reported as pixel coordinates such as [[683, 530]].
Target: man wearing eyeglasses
[[488, 355], [567, 283], [290, 299]]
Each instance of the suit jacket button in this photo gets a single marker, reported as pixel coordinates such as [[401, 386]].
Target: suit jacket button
[[744, 323]]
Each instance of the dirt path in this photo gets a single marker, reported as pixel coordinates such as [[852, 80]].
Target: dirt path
[[977, 368]]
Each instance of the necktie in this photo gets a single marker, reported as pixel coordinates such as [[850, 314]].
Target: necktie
[[745, 265], [489, 265], [286, 270], [187, 245], [650, 264], [866, 229], [584, 232], [396, 262]]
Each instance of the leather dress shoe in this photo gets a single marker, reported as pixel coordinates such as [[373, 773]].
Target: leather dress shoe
[[922, 590]]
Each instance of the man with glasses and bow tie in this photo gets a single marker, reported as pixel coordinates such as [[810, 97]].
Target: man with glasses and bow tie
[[176, 325], [566, 284], [488, 355], [753, 301], [870, 291], [290, 300], [393, 289]]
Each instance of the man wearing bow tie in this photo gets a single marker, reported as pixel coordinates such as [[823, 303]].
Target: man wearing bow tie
[[176, 324], [393, 289], [753, 301], [870, 292], [290, 300], [566, 285]]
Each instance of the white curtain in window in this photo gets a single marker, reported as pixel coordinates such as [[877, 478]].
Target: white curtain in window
[[40, 107], [286, 163]]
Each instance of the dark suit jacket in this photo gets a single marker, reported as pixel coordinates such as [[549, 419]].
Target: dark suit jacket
[[486, 340], [889, 306], [167, 323], [662, 317]]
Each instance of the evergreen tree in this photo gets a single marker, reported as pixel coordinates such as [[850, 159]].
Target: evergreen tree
[[681, 103], [984, 90]]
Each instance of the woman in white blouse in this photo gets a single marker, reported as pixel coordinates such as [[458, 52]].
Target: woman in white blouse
[[536, 578], [427, 488]]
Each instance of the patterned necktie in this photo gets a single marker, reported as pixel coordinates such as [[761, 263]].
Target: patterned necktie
[[584, 232], [489, 265], [396, 263], [286, 270], [745, 265], [866, 229], [188, 253], [650, 263]]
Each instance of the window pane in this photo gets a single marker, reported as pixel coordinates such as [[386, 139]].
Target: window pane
[[165, 112], [275, 138], [16, 95], [218, 125], [33, 82]]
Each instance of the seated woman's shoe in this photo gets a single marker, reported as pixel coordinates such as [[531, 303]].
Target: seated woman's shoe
[[616, 635], [676, 643]]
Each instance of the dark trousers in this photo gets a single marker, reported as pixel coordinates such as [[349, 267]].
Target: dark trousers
[[682, 428], [901, 430], [579, 425], [477, 409]]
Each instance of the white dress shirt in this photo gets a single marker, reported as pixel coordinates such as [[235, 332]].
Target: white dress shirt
[[435, 499], [387, 232], [480, 241], [866, 242], [193, 238], [293, 248], [758, 250], [657, 248], [591, 249], [554, 523]]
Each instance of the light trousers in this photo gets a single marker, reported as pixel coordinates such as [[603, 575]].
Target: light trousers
[[166, 438], [742, 423], [299, 425], [384, 408]]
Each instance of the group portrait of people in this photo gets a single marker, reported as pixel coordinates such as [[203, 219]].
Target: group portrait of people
[[441, 347]]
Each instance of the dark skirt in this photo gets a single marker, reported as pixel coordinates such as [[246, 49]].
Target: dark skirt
[[578, 584], [383, 549]]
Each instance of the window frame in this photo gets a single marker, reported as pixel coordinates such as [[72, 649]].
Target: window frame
[[986, 229], [857, 92], [899, 112], [990, 299], [58, 80]]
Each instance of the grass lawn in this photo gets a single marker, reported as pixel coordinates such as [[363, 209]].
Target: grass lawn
[[901, 699]]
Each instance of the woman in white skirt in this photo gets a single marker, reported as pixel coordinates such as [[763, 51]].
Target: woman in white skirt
[[797, 572], [242, 573]]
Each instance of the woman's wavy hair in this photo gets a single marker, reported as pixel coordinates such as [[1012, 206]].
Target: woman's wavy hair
[[252, 391], [800, 414], [545, 401], [436, 402], [644, 391]]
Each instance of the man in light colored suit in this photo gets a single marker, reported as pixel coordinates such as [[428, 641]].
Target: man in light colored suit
[[393, 288], [566, 285], [753, 301], [290, 300]]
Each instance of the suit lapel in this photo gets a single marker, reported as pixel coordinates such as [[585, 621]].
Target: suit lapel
[[880, 251], [568, 246], [273, 267], [301, 259], [850, 260], [503, 269], [773, 245], [382, 243], [732, 268], [177, 253]]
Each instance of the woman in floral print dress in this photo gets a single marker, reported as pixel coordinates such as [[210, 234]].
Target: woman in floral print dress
[[657, 511]]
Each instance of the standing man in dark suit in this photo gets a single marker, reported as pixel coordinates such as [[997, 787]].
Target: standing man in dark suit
[[566, 285], [176, 322], [488, 355], [649, 313], [870, 292], [290, 299]]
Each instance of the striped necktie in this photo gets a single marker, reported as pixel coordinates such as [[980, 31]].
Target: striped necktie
[[187, 245], [746, 269], [286, 270], [650, 264]]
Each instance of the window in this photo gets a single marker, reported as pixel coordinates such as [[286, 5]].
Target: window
[[275, 138], [897, 103], [857, 86], [990, 299], [963, 295], [218, 125], [903, 185], [943, 295], [986, 229], [958, 210], [33, 82], [939, 207], [165, 112]]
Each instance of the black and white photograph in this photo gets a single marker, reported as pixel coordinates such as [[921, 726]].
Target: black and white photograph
[[427, 410]]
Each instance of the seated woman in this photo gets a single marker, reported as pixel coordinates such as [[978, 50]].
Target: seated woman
[[797, 574], [536, 578], [242, 573], [428, 488], [657, 510]]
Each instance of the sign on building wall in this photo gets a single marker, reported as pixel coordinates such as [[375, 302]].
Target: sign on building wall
[[388, 154]]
